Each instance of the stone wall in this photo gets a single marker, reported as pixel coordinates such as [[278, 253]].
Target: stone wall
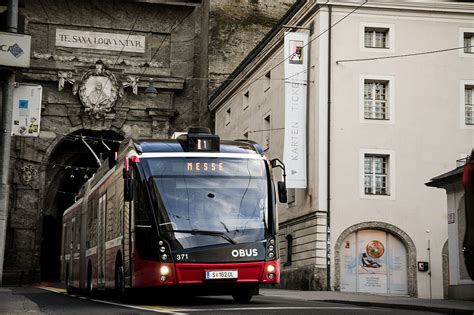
[[235, 28], [174, 54], [306, 269]]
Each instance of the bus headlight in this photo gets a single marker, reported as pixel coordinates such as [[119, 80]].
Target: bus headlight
[[164, 270], [164, 256], [270, 269]]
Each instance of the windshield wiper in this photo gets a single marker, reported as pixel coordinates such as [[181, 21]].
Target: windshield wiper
[[206, 232]]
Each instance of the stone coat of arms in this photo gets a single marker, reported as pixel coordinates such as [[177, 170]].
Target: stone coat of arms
[[98, 89]]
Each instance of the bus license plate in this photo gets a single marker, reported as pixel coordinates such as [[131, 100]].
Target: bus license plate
[[227, 274]]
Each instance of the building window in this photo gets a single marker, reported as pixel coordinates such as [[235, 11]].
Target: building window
[[469, 43], [227, 116], [266, 131], [376, 174], [376, 37], [469, 105], [246, 100], [289, 249], [375, 100], [267, 81]]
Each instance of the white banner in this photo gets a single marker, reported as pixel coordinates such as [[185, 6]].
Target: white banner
[[296, 65], [26, 110], [102, 41], [15, 50]]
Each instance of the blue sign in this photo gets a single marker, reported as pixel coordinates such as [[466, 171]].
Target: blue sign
[[23, 104]]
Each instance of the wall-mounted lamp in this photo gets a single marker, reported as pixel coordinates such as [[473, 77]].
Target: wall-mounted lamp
[[151, 91]]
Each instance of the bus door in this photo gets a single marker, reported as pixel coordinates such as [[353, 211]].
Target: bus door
[[101, 241], [72, 245]]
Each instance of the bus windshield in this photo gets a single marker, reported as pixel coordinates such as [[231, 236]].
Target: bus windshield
[[207, 201]]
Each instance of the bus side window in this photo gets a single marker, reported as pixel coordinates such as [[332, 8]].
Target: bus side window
[[145, 236], [140, 204]]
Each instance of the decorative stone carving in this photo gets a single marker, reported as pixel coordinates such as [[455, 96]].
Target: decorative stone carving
[[98, 91], [27, 173], [66, 77], [132, 81], [109, 62]]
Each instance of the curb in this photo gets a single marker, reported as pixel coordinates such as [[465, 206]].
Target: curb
[[425, 308]]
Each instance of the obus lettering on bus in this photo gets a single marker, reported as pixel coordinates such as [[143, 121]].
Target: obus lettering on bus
[[245, 252]]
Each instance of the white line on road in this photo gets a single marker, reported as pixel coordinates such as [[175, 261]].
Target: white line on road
[[155, 309], [276, 308], [143, 308]]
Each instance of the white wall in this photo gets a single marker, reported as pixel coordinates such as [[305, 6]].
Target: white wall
[[425, 137]]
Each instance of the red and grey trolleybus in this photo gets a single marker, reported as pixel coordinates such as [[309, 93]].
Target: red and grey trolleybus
[[194, 213]]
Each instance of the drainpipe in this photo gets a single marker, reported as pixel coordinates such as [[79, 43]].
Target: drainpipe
[[328, 217], [5, 136]]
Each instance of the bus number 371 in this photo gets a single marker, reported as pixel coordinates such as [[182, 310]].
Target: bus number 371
[[182, 257]]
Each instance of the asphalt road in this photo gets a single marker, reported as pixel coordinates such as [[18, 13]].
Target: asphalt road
[[56, 301]]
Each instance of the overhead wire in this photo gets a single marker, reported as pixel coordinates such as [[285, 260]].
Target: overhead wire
[[54, 165], [309, 42], [284, 59], [404, 55], [173, 27]]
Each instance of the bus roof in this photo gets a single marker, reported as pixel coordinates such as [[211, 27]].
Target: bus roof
[[160, 145]]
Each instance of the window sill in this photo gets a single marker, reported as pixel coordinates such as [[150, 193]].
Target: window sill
[[373, 47]]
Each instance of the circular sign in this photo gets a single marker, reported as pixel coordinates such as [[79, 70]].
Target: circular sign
[[375, 249]]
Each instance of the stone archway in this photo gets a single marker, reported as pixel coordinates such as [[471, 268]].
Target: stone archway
[[382, 226], [445, 268], [68, 164]]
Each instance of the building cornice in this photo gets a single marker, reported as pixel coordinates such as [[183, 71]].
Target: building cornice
[[442, 7]]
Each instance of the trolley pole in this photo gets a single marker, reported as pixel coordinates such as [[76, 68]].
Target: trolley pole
[[5, 136]]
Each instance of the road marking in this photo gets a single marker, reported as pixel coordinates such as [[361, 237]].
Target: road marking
[[167, 310], [55, 290], [275, 308], [156, 309]]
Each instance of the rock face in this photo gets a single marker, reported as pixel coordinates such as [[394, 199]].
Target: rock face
[[235, 28]]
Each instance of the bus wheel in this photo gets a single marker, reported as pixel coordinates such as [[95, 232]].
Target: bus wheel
[[243, 296], [119, 282], [89, 280], [68, 285]]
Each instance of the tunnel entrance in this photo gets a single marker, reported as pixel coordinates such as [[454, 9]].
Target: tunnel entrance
[[70, 165]]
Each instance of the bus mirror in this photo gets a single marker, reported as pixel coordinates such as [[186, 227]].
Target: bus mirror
[[282, 195], [127, 186]]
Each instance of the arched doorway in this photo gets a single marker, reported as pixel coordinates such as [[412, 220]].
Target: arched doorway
[[373, 261], [70, 165]]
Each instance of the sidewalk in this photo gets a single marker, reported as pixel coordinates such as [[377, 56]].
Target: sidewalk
[[363, 299]]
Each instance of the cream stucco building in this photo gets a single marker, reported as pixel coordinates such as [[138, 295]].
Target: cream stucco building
[[389, 104]]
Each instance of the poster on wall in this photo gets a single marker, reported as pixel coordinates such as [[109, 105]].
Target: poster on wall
[[372, 261], [26, 110], [397, 266], [296, 66], [349, 264]]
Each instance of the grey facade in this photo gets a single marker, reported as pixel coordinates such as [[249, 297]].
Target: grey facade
[[46, 172]]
